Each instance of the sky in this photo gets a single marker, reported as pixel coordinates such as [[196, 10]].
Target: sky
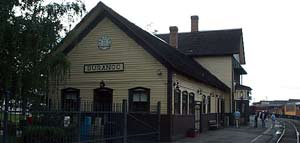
[[270, 32]]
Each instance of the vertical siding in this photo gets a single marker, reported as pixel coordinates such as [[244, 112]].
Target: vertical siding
[[140, 68]]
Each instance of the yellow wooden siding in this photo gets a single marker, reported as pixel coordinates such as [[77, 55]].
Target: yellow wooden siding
[[190, 85], [140, 68], [220, 66]]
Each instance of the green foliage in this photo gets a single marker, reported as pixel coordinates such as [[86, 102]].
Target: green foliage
[[30, 33]]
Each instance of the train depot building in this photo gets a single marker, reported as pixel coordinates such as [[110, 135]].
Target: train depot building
[[193, 75]]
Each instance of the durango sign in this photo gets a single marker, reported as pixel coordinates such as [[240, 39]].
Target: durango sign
[[106, 67]]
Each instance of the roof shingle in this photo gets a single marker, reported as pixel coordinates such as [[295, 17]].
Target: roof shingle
[[208, 43]]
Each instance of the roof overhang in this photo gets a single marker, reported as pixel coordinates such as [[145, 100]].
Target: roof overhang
[[242, 87], [238, 67], [242, 51]]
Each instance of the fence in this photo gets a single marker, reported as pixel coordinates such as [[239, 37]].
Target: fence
[[83, 122]]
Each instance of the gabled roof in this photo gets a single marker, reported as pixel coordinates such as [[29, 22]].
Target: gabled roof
[[163, 52], [209, 43]]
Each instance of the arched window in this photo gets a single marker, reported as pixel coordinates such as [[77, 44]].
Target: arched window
[[139, 99], [184, 102], [70, 99], [191, 103], [177, 101]]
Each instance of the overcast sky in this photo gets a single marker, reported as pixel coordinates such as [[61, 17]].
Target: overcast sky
[[270, 30]]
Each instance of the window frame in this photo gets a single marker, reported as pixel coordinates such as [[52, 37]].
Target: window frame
[[191, 104], [204, 98], [177, 106], [184, 95], [75, 105], [133, 104], [209, 104]]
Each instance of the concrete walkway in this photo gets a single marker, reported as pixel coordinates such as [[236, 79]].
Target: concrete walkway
[[244, 134]]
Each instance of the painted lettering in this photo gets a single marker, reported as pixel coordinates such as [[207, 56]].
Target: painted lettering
[[107, 67]]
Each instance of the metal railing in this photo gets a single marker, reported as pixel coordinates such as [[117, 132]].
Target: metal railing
[[84, 122]]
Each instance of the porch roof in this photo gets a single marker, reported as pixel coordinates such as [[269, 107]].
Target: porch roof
[[242, 87]]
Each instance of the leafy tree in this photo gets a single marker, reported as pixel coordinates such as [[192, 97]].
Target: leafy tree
[[30, 32]]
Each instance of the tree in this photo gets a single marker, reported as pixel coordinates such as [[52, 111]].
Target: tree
[[30, 33]]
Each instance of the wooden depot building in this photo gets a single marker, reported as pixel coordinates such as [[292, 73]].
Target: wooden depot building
[[135, 65]]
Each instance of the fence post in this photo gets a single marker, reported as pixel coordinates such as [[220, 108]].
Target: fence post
[[5, 120], [158, 121], [79, 120], [124, 110]]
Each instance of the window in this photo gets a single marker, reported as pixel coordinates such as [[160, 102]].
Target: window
[[139, 99], [177, 101], [70, 99], [191, 103], [184, 102], [208, 104], [204, 100]]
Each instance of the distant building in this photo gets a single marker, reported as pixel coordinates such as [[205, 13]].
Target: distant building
[[281, 107]]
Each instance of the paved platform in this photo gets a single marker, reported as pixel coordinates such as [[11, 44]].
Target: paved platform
[[244, 134]]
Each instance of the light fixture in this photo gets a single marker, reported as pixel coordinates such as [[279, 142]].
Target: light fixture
[[102, 84], [199, 91], [159, 72], [176, 85]]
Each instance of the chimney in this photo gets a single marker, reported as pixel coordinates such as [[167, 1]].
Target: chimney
[[194, 23], [173, 41]]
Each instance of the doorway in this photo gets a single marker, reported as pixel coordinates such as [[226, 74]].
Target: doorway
[[198, 112], [103, 99]]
